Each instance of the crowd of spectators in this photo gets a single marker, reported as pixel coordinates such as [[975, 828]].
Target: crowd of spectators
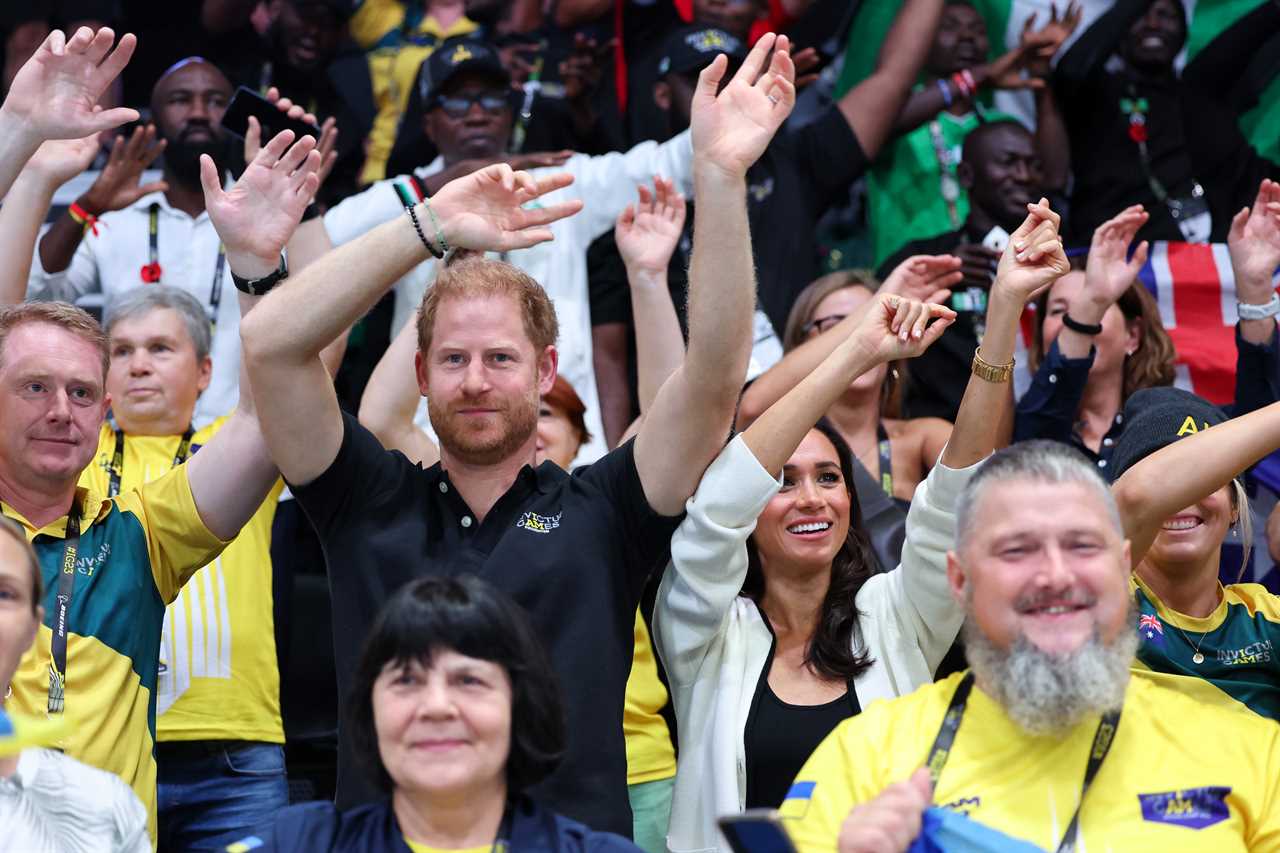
[[445, 425]]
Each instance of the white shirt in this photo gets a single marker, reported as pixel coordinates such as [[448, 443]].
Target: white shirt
[[55, 804], [111, 264], [607, 184]]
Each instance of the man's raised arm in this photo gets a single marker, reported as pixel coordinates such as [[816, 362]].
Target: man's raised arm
[[283, 337], [55, 95], [691, 417]]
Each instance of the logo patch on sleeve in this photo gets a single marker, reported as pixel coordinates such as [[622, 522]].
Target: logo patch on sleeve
[[797, 800], [1194, 808]]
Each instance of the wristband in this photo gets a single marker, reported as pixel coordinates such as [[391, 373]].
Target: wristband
[[961, 85], [991, 372], [261, 286], [84, 218], [1082, 328], [1247, 311], [969, 81], [946, 91]]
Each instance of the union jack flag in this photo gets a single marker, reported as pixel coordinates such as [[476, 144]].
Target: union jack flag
[[1146, 620]]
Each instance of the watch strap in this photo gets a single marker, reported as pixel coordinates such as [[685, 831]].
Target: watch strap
[[261, 286], [1246, 311]]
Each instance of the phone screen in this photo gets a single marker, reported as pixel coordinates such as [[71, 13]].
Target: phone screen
[[756, 834], [247, 102]]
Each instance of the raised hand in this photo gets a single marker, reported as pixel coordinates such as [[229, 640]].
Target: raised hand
[[895, 327], [647, 232], [1005, 72], [258, 215], [117, 185], [1254, 244], [1110, 271], [977, 265], [1034, 258], [582, 71], [1046, 41], [55, 94], [890, 822], [484, 211], [732, 129], [59, 160], [927, 278]]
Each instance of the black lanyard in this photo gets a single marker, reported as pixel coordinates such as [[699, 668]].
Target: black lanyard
[[153, 255], [66, 588], [117, 459], [941, 750], [886, 460]]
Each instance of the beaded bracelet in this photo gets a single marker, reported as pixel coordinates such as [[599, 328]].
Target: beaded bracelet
[[946, 91], [417, 226]]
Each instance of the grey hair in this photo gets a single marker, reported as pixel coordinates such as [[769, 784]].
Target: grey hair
[[1041, 460], [144, 300]]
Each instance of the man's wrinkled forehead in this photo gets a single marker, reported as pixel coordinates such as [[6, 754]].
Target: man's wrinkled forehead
[[1032, 507]]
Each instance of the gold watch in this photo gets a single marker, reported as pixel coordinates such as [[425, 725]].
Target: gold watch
[[991, 372]]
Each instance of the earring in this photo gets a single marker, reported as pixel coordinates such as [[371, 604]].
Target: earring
[[8, 692]]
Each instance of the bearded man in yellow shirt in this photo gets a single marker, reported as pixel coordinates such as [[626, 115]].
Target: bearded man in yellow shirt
[[1046, 743]]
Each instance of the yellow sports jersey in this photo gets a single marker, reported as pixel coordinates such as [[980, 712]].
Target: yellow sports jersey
[[135, 552], [398, 37], [1181, 775], [422, 848], [650, 754], [218, 677]]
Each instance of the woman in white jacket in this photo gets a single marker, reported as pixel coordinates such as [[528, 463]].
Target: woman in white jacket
[[771, 639]]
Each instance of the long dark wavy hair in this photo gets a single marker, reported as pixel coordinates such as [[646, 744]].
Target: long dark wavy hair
[[836, 650]]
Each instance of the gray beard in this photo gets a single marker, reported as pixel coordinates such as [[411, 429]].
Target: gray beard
[[1047, 694]]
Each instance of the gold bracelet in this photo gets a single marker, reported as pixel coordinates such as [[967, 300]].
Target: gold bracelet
[[991, 372]]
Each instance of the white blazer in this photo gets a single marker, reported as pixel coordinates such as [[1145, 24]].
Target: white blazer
[[714, 642]]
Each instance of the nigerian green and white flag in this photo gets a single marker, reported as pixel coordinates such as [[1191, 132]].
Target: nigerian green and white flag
[[1208, 18]]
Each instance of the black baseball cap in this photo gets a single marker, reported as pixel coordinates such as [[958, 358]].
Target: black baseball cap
[[461, 56], [692, 47], [1157, 417]]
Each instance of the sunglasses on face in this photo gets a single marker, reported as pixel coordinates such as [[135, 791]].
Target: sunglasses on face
[[457, 106]]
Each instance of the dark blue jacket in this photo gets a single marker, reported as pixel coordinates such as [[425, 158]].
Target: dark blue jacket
[[373, 828]]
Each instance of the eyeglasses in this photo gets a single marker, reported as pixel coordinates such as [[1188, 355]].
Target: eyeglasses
[[822, 324], [457, 106]]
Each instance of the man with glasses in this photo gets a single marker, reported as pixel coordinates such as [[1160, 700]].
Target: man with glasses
[[470, 114]]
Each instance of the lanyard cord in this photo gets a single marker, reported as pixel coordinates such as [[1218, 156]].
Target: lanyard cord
[[117, 459], [66, 589], [1102, 740], [153, 255], [886, 460], [1135, 108]]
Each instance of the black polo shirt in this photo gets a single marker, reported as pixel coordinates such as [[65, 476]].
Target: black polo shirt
[[574, 551]]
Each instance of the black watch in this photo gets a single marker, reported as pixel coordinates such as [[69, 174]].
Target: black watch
[[261, 286]]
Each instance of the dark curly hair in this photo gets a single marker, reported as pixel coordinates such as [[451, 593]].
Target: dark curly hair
[[836, 649], [471, 617]]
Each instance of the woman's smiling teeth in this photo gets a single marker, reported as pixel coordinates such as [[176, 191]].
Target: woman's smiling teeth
[[812, 527], [1182, 522]]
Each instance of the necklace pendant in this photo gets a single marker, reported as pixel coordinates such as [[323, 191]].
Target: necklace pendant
[[1197, 658]]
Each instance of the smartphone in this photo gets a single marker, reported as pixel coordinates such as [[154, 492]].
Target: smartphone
[[247, 102], [996, 240], [756, 831]]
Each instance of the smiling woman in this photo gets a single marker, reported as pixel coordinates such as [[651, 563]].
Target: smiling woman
[[454, 714]]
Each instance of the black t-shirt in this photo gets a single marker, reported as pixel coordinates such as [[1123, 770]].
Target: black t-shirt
[[801, 174], [574, 551], [938, 377]]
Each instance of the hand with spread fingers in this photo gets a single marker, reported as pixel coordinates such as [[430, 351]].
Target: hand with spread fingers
[[59, 160], [258, 215], [732, 129], [1110, 271], [896, 327], [55, 94], [647, 232], [117, 185], [928, 278], [891, 821], [1046, 41], [1034, 258], [1254, 244], [484, 211], [326, 144]]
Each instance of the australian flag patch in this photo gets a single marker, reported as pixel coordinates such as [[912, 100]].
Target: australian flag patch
[[1194, 808]]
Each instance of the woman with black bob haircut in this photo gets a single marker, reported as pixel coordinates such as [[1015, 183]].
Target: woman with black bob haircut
[[454, 714]]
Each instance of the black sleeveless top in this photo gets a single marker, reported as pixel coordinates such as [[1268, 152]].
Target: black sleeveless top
[[781, 737]]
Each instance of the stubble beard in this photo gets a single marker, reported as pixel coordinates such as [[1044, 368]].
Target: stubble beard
[[516, 424]]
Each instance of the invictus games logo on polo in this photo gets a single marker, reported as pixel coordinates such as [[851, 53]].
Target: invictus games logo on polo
[[535, 523], [1194, 808]]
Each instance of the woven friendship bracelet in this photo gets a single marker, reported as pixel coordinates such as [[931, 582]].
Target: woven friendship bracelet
[[435, 223]]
